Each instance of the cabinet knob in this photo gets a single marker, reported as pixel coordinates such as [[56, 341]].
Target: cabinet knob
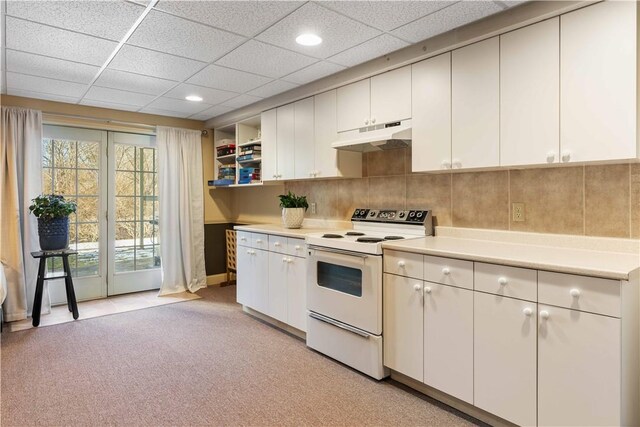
[[551, 156], [373, 120], [366, 121], [544, 314], [276, 244], [502, 281], [527, 312], [297, 247], [566, 156], [284, 259], [289, 260], [417, 287], [248, 251], [446, 271], [457, 164], [275, 176], [574, 293], [243, 239], [446, 164], [427, 289], [401, 264], [258, 241]]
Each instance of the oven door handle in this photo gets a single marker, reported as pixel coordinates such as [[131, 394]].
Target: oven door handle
[[338, 251], [337, 324]]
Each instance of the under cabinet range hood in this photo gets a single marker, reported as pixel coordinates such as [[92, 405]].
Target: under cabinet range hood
[[375, 138]]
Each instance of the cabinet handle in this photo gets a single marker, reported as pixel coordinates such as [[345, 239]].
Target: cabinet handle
[[544, 314], [574, 293], [276, 244], [446, 271], [446, 164], [373, 120], [502, 281], [551, 156], [284, 259], [566, 156], [275, 176], [401, 264], [427, 289], [366, 121], [243, 239], [527, 312], [417, 287], [259, 241], [457, 164], [297, 247]]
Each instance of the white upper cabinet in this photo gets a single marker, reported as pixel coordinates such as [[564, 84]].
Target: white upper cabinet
[[391, 96], [353, 104], [598, 74], [431, 114], [286, 141], [268, 124], [304, 138], [530, 94], [475, 105]]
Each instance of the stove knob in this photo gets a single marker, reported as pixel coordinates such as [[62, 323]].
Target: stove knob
[[401, 215], [412, 214], [419, 214], [372, 213]]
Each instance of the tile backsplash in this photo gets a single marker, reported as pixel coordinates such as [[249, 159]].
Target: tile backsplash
[[598, 200]]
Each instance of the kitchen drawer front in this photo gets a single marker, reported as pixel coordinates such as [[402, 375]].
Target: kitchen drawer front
[[296, 247], [521, 283], [278, 244], [244, 238], [404, 264], [582, 293], [260, 241], [448, 271]]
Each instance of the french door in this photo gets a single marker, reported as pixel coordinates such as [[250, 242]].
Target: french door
[[112, 177]]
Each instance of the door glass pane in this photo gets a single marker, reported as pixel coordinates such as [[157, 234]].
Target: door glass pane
[[340, 278]]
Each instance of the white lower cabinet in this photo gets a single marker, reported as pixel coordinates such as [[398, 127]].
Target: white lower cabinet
[[251, 290], [297, 293], [278, 286], [504, 352]]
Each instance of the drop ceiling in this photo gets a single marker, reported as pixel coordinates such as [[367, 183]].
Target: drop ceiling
[[147, 56]]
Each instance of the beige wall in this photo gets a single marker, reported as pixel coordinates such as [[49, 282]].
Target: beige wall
[[598, 200], [255, 204], [217, 206]]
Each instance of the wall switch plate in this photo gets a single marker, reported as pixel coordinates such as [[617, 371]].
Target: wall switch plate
[[313, 208], [517, 212]]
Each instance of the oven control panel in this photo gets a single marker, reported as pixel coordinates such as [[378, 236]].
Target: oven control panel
[[393, 216]]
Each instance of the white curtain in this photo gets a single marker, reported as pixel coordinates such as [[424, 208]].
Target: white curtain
[[181, 210], [20, 181]]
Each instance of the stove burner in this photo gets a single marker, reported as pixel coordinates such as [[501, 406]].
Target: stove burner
[[354, 233], [393, 237], [369, 239], [332, 236]]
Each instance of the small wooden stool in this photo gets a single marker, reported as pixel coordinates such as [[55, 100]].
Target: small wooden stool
[[68, 282]]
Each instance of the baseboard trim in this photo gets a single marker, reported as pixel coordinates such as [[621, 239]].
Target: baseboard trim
[[273, 322], [217, 279]]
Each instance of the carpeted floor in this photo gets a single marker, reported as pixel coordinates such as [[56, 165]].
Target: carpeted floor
[[201, 362]]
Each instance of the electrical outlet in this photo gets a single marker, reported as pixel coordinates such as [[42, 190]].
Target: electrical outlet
[[517, 212], [313, 208]]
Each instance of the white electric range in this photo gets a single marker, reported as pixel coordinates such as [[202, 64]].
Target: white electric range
[[344, 285]]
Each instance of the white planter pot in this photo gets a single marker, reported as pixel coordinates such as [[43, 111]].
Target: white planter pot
[[292, 217]]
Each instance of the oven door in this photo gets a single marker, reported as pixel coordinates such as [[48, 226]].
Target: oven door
[[346, 286]]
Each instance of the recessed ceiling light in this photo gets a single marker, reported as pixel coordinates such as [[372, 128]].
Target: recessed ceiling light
[[194, 98], [308, 39]]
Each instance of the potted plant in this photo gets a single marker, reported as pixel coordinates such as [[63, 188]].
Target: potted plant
[[53, 213], [293, 208]]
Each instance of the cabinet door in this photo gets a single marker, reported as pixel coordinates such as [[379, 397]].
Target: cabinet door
[[304, 139], [598, 82], [504, 350], [475, 105], [448, 340], [245, 276], [403, 312], [431, 114], [277, 295], [391, 96], [353, 102], [268, 124], [297, 293], [578, 368], [286, 141], [260, 298], [530, 94]]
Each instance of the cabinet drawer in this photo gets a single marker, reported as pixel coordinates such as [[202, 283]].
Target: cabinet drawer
[[244, 238], [296, 247], [259, 241], [404, 264], [278, 244], [512, 282], [448, 271], [582, 293]]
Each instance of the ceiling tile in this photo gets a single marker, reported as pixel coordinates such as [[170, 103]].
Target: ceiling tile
[[370, 49], [36, 38], [209, 96], [110, 105], [446, 19], [223, 78], [212, 112], [44, 85], [386, 15], [134, 82], [166, 33], [337, 31], [243, 17], [161, 112], [40, 95], [241, 101], [260, 58], [506, 4], [273, 88], [314, 72], [107, 19], [118, 96], [170, 104], [36, 65], [156, 64]]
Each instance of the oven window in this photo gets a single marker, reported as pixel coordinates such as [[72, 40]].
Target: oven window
[[340, 278]]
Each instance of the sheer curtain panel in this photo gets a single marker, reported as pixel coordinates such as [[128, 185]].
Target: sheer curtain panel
[[181, 210], [20, 181]]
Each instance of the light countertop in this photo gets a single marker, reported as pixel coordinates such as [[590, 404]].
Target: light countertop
[[279, 230]]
